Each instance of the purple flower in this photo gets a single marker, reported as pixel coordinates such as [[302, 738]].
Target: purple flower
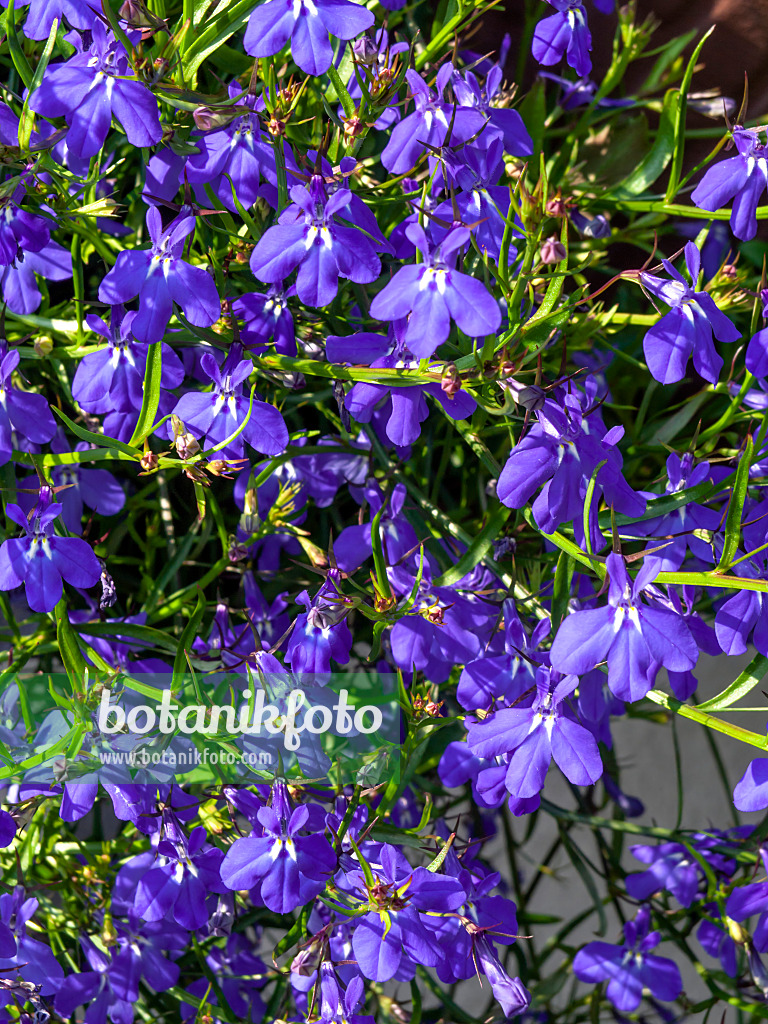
[[510, 993], [93, 87], [562, 451], [716, 941], [217, 414], [19, 283], [565, 33], [267, 317], [21, 231], [434, 293], [403, 409], [239, 151], [310, 237], [41, 558], [21, 412], [741, 178], [688, 326], [113, 378], [751, 792], [33, 960], [81, 14], [160, 277], [288, 864], [675, 869], [429, 124], [756, 357], [354, 544], [468, 91], [177, 886], [630, 968], [750, 900], [636, 636], [536, 735], [397, 933], [307, 23], [320, 634]]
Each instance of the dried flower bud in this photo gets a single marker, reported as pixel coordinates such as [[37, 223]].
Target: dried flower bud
[[556, 207], [275, 126], [135, 13], [451, 381], [552, 250], [186, 445], [148, 462], [729, 272], [353, 126]]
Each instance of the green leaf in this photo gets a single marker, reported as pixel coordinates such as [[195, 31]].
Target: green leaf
[[102, 440], [478, 549], [27, 119], [186, 640], [657, 160], [736, 508], [151, 400], [582, 867], [678, 148], [69, 649], [229, 18], [562, 592], [20, 61], [740, 687]]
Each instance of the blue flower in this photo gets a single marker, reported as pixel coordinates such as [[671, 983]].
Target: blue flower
[[93, 87], [434, 293], [564, 33], [307, 23], [21, 412], [742, 178], [160, 277], [215, 415], [688, 326], [41, 558], [630, 968], [636, 636]]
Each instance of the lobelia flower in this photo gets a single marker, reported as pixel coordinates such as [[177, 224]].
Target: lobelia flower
[[565, 33], [78, 486], [756, 357], [751, 900], [434, 293], [33, 960], [630, 968], [113, 378], [742, 178], [338, 1004], [40, 559], [240, 975], [21, 290], [562, 451], [21, 412], [320, 634], [309, 236], [675, 869], [160, 277], [267, 317], [80, 14], [716, 941], [403, 408], [536, 735], [308, 24], [93, 87], [430, 123], [354, 544], [481, 201], [634, 632], [751, 792], [215, 415], [686, 330], [185, 872], [469, 93], [397, 934], [238, 151], [20, 230], [288, 864], [377, 53]]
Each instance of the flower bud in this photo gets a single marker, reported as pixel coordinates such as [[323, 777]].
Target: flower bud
[[148, 462], [556, 207], [209, 119], [135, 13], [186, 445], [552, 250], [451, 381], [365, 50]]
